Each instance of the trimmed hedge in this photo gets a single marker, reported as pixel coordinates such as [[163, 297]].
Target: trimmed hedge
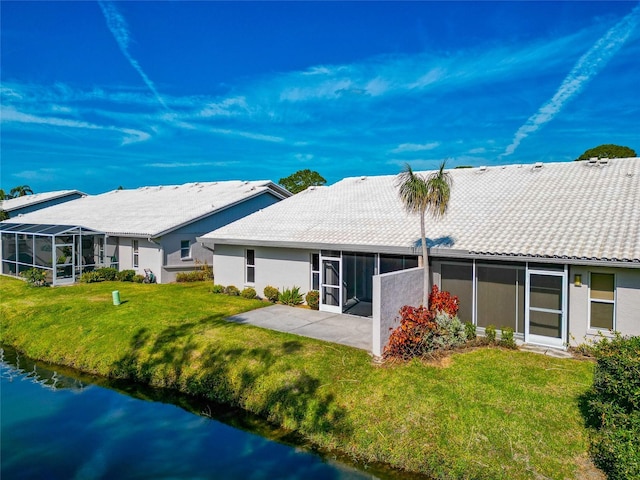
[[614, 407]]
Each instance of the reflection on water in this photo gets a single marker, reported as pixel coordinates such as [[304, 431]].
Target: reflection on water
[[59, 424]]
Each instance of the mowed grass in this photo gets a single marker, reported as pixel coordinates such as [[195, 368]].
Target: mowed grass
[[487, 413]]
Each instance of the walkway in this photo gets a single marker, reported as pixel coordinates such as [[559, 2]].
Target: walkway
[[348, 330]]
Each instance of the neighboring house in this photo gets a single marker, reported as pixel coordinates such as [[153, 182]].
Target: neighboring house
[[29, 203], [151, 228], [550, 250]]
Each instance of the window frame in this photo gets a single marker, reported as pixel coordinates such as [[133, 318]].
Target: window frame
[[249, 266], [184, 256], [135, 250], [604, 301], [315, 273]]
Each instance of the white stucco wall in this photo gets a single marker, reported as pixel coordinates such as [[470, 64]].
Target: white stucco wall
[[391, 292], [278, 267], [149, 256], [627, 308]]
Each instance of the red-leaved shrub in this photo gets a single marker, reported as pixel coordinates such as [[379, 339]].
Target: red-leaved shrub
[[417, 324], [441, 301]]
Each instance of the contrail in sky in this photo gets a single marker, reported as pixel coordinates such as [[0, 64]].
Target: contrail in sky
[[586, 68], [118, 27]]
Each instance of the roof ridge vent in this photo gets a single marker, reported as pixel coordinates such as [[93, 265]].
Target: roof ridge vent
[[483, 168], [538, 165], [363, 177], [603, 161]]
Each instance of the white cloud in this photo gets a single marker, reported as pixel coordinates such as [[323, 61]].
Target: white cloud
[[415, 147], [10, 114], [589, 65], [188, 164], [120, 31], [250, 135]]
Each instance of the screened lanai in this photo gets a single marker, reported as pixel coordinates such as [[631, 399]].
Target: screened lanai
[[64, 252]]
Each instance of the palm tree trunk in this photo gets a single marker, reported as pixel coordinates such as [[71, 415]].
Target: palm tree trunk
[[425, 261]]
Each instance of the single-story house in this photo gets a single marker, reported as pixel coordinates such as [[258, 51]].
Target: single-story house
[[551, 250], [29, 203], [152, 228]]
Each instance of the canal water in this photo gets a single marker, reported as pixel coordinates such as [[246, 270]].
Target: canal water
[[58, 424]]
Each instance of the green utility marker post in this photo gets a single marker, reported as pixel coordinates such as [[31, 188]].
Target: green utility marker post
[[116, 297]]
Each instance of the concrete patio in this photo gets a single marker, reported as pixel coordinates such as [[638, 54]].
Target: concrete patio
[[344, 329]]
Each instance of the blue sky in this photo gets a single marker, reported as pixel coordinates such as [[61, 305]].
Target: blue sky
[[100, 94]]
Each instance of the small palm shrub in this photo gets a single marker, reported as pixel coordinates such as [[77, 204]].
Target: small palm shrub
[[290, 296], [125, 275], [249, 293], [271, 293], [232, 290], [217, 288], [313, 299], [35, 277]]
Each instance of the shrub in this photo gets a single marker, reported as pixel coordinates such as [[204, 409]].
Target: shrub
[[91, 277], [614, 407], [405, 341], [249, 293], [291, 296], [490, 333], [217, 289], [448, 333], [232, 290], [470, 331], [125, 275], [616, 450], [313, 299], [271, 293], [107, 274], [206, 270], [138, 278], [441, 301], [35, 277], [195, 276], [506, 338]]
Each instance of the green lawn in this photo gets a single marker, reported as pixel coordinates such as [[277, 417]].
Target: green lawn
[[487, 413]]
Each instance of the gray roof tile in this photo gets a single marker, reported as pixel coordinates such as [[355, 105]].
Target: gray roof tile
[[572, 210]]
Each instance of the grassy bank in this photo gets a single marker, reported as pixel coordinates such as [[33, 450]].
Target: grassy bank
[[488, 413]]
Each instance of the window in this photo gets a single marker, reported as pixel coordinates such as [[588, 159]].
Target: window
[[315, 271], [602, 301], [500, 297], [185, 249], [136, 256], [250, 261], [457, 279], [100, 250]]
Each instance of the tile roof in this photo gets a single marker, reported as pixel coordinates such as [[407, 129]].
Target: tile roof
[[150, 211], [580, 210], [27, 200]]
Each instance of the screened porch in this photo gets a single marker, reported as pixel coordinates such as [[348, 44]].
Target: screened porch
[[64, 252]]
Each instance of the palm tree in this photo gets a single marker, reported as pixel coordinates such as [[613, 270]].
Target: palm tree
[[20, 191], [3, 196], [419, 195]]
